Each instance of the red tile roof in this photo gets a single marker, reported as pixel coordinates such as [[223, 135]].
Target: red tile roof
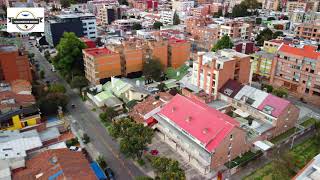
[[174, 40], [307, 51], [149, 104], [20, 99], [98, 51], [73, 166], [90, 43], [21, 85], [202, 122]]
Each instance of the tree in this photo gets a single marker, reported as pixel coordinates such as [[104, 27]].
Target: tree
[[65, 3], [79, 82], [69, 58], [264, 35], [136, 26], [123, 2], [276, 34], [31, 55], [218, 14], [271, 19], [162, 87], [143, 178], [152, 70], [176, 19], [239, 10], [49, 103], [157, 25], [134, 138], [108, 115], [57, 88], [258, 20], [224, 43], [167, 168], [102, 163], [85, 138], [47, 54], [280, 92], [42, 74]]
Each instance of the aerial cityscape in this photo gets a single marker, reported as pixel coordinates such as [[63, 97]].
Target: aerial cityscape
[[160, 90]]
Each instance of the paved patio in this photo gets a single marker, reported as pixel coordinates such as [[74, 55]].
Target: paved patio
[[165, 150]]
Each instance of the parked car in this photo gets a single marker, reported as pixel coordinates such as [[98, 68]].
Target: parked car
[[109, 173], [75, 148]]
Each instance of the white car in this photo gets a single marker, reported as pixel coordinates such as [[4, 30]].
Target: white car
[[75, 148]]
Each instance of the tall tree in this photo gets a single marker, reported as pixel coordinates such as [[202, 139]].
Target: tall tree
[[264, 35], [152, 70], [134, 138], [176, 19], [224, 43], [79, 82], [69, 58], [157, 25], [136, 26], [65, 3], [167, 168]]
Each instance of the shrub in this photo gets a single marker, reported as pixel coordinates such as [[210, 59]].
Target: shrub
[[72, 142], [85, 138], [102, 163], [141, 162], [280, 92]]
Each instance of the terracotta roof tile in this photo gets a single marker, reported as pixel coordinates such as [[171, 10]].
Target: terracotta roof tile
[[307, 51], [72, 164]]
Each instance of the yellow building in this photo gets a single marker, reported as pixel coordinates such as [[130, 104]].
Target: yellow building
[[262, 63], [20, 118]]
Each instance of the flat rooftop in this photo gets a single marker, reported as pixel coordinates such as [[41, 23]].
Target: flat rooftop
[[98, 51]]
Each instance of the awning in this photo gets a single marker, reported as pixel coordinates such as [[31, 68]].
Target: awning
[[263, 145], [241, 113]]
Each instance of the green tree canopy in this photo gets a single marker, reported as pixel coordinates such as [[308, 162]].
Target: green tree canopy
[[57, 88], [134, 137], [176, 19], [108, 114], [264, 35], [224, 43], [157, 25], [49, 104], [79, 82], [65, 3], [136, 26], [69, 57], [152, 70], [167, 168], [241, 10]]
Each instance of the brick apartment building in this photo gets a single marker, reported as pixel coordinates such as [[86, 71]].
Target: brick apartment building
[[297, 69], [310, 31], [102, 63], [235, 30], [296, 5], [213, 70], [205, 137], [14, 64], [269, 114]]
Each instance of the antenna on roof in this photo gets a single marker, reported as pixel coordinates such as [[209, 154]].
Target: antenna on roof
[[188, 119]]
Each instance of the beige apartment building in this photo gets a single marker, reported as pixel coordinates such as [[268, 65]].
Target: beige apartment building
[[310, 31]]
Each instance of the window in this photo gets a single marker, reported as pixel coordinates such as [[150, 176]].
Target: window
[[231, 137]]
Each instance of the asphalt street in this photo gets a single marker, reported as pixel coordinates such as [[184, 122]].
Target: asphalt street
[[88, 122]]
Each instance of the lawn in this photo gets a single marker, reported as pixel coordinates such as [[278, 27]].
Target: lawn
[[308, 122], [267, 172], [301, 154], [171, 73], [282, 136], [304, 152]]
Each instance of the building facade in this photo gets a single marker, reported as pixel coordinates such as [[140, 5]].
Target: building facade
[[213, 70], [297, 69], [310, 31]]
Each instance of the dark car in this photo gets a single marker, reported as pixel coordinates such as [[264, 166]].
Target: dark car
[[109, 173]]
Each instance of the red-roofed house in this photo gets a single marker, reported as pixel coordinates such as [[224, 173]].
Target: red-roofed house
[[298, 70], [206, 137], [89, 42], [56, 164]]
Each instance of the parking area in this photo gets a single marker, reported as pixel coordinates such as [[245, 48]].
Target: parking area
[[165, 150]]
